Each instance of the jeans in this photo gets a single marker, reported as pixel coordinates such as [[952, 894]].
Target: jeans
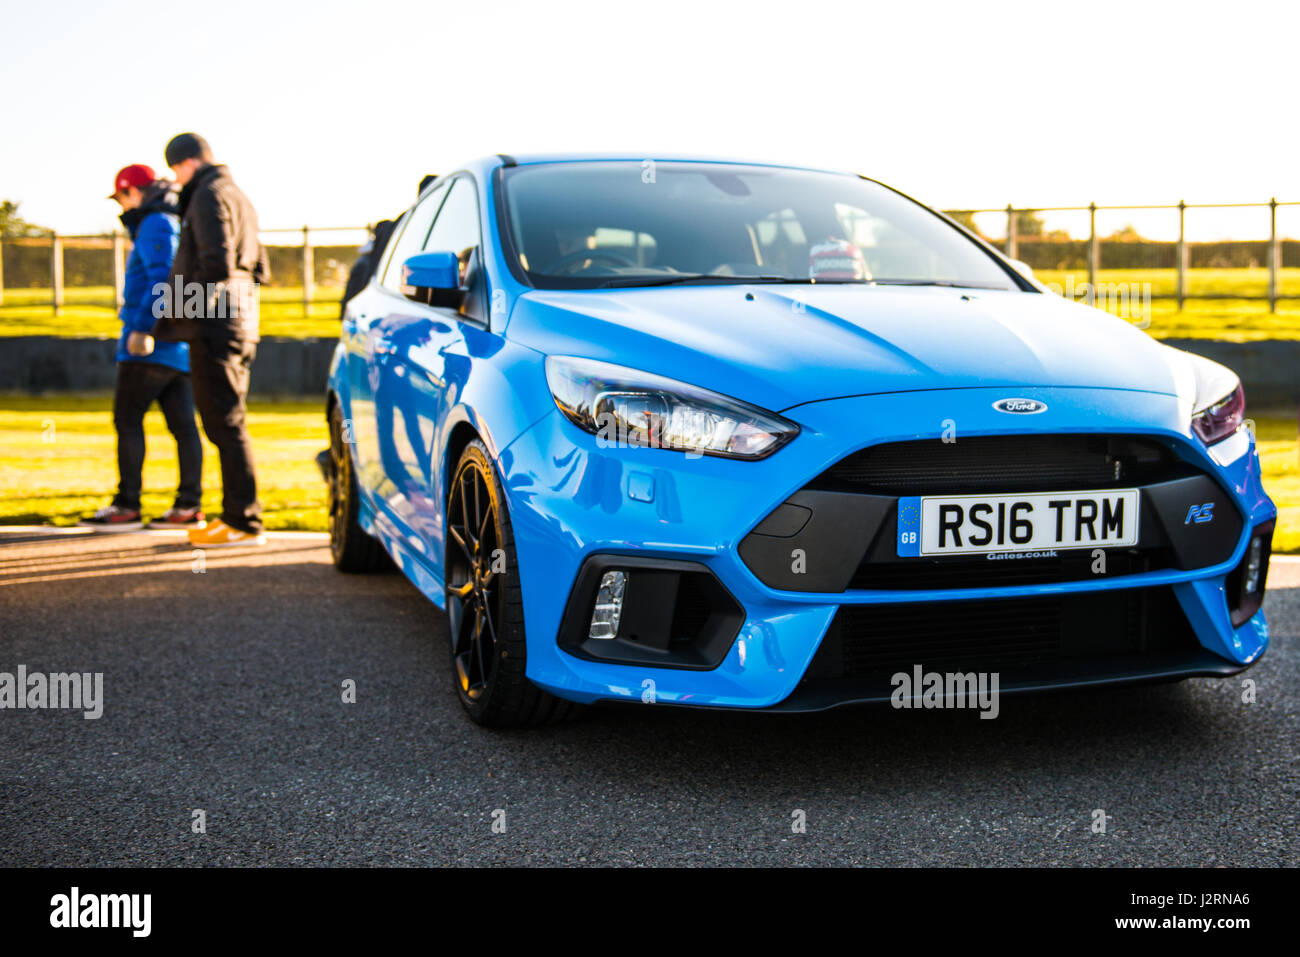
[[219, 369], [139, 385]]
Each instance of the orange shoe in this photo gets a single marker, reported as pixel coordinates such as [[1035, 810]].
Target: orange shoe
[[218, 534]]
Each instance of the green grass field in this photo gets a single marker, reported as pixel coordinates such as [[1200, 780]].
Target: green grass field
[[57, 463], [26, 312], [1281, 462], [1234, 320]]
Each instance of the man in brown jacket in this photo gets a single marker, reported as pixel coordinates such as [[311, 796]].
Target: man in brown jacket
[[212, 303]]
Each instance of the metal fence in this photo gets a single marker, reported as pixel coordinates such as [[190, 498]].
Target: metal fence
[[90, 269], [1175, 254], [319, 259]]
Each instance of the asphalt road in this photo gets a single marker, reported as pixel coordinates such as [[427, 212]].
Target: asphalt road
[[222, 693]]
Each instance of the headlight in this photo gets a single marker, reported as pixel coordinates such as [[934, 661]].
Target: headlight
[[1221, 418], [625, 407]]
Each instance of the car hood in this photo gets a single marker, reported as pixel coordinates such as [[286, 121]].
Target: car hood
[[782, 346]]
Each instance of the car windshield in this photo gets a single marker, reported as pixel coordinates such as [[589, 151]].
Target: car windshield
[[605, 224]]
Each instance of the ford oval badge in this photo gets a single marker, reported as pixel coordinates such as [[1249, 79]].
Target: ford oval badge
[[1020, 406]]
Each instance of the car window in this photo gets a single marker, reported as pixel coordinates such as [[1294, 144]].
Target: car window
[[456, 229], [415, 229], [888, 250], [782, 245], [590, 224]]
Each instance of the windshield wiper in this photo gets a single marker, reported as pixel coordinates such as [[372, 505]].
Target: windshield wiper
[[948, 283], [713, 278]]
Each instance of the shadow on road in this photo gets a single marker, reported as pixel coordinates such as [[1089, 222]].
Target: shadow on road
[[222, 689]]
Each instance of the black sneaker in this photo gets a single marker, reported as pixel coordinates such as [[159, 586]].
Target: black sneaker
[[114, 518], [176, 517]]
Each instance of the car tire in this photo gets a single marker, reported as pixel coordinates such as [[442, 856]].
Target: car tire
[[485, 608], [351, 548]]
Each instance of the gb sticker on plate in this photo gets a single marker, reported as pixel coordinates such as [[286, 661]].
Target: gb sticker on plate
[[909, 527]]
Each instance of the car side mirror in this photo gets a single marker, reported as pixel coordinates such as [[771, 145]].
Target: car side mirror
[[430, 277]]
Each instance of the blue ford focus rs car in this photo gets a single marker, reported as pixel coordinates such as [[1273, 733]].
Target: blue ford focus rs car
[[749, 436]]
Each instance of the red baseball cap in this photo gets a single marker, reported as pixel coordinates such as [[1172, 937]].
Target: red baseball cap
[[137, 175]]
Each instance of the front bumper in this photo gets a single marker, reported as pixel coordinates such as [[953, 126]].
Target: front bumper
[[573, 503]]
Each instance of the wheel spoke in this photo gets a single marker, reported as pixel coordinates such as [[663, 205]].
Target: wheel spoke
[[461, 542], [464, 514], [458, 638], [484, 525], [478, 508], [487, 618], [461, 591], [478, 643], [455, 617]]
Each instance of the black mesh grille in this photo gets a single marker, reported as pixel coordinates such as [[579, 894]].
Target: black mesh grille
[[692, 610], [982, 572], [867, 640], [1001, 463], [1026, 630]]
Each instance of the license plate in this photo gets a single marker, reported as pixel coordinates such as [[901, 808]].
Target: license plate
[[978, 524]]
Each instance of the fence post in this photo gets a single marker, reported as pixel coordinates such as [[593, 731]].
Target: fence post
[[56, 272], [119, 269], [308, 272], [1182, 253], [1013, 243], [1274, 255], [1094, 248]]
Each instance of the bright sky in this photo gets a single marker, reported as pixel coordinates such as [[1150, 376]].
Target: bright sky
[[329, 112]]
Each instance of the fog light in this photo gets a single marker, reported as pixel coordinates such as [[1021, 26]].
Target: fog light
[[1245, 586], [1254, 561], [609, 606]]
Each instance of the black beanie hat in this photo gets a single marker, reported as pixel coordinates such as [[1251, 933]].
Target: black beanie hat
[[186, 146]]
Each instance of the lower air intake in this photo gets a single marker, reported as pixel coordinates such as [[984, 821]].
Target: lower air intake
[[866, 640]]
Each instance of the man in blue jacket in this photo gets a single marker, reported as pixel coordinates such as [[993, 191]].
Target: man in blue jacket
[[149, 371]]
